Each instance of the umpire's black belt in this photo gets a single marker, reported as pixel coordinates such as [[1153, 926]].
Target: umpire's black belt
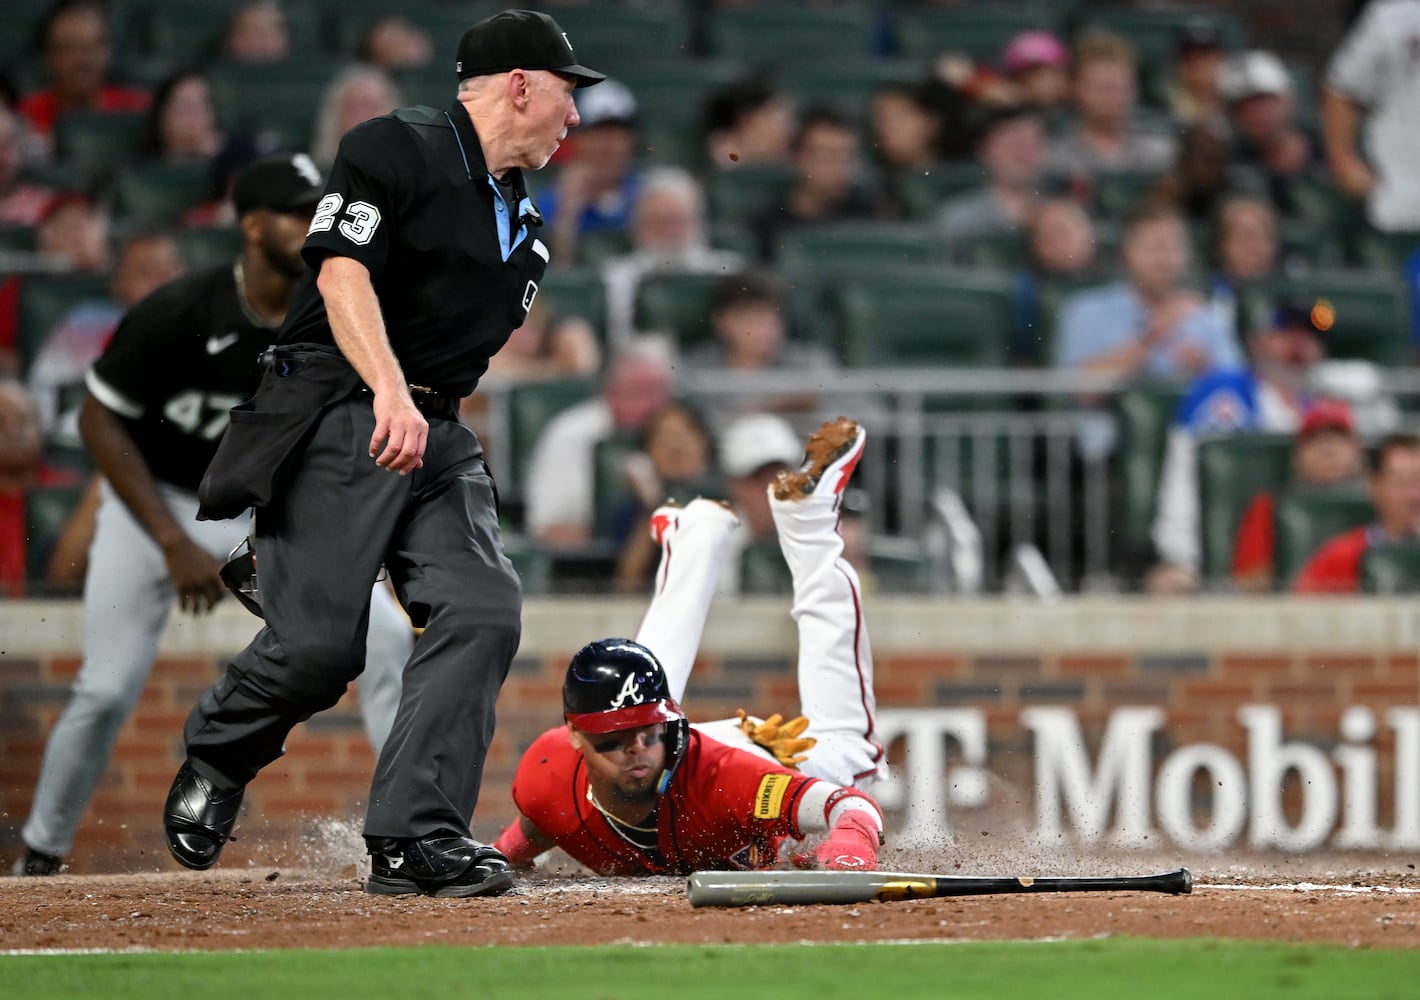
[[430, 402]]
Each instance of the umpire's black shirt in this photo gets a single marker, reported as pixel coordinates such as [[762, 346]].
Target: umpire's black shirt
[[454, 267]]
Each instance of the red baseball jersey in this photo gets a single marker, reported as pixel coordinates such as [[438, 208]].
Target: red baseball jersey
[[724, 809]]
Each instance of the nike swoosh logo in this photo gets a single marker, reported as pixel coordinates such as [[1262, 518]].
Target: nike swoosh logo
[[216, 345]]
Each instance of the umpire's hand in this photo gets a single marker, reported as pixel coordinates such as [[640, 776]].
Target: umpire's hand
[[196, 576], [401, 430]]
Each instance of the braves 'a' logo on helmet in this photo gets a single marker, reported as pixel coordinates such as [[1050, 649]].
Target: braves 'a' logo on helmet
[[630, 691]]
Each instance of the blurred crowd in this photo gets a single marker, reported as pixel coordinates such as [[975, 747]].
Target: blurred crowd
[[1146, 193]]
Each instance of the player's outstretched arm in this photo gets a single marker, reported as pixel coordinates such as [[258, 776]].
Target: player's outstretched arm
[[522, 842], [853, 821], [194, 573]]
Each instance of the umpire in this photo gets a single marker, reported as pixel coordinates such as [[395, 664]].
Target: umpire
[[424, 256]]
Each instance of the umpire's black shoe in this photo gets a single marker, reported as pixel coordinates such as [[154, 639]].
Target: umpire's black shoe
[[37, 864], [198, 818], [445, 865]]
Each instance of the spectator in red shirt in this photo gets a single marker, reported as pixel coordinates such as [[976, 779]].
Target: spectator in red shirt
[[1395, 493], [1326, 453], [74, 44]]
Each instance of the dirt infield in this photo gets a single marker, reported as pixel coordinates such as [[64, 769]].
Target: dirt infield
[[255, 906]]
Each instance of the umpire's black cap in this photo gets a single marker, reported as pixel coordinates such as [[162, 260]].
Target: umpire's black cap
[[284, 182], [520, 39]]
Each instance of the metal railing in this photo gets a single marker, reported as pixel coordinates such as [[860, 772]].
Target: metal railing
[[1002, 440]]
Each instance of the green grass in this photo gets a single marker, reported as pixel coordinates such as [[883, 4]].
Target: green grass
[[1130, 967]]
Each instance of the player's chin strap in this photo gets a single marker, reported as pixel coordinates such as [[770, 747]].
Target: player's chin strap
[[677, 740]]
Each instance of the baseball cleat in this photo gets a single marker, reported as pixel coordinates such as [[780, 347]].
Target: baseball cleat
[[198, 818], [37, 864], [830, 456], [446, 866]]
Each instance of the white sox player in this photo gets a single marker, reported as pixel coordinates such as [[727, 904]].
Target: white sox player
[[157, 404]]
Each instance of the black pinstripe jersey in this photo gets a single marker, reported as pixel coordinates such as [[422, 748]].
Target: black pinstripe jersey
[[178, 362]]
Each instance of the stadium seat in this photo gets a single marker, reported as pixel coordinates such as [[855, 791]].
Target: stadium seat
[[1154, 31], [744, 194], [924, 316], [763, 570], [47, 509], [532, 564], [670, 95], [923, 193], [677, 303], [577, 291], [1373, 249], [898, 566], [1231, 471], [93, 144], [609, 486], [16, 240], [530, 407], [156, 194], [1304, 519], [842, 246], [283, 98], [608, 36], [980, 30], [1115, 195], [1371, 311], [19, 20], [45, 299], [776, 38], [209, 246], [847, 84], [1144, 412], [1391, 568]]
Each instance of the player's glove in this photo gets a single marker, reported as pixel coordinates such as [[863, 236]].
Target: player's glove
[[852, 844], [783, 739]]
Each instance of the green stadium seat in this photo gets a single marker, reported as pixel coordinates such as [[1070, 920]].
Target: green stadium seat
[[670, 95], [155, 195], [45, 299], [1116, 195], [763, 570], [1001, 251], [17, 240], [283, 98], [842, 246], [677, 303], [1391, 568], [776, 38], [577, 291], [19, 21], [530, 407], [847, 84], [924, 316], [1231, 471], [923, 193], [1372, 311], [1145, 413], [91, 144], [1373, 249], [210, 246], [47, 510], [532, 564], [609, 486], [609, 36], [1304, 519], [1154, 31], [898, 566], [744, 194], [980, 30]]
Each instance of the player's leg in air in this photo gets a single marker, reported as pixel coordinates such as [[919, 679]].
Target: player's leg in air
[[835, 665], [835, 657]]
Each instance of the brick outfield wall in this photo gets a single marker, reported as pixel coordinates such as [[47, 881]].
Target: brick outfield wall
[[1199, 661]]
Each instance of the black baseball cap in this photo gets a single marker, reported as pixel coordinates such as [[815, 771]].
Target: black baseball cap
[[520, 39], [1299, 312], [284, 182]]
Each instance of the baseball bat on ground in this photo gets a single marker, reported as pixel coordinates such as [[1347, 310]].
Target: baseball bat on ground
[[711, 888]]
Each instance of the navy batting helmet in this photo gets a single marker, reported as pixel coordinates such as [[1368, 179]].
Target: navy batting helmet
[[615, 684]]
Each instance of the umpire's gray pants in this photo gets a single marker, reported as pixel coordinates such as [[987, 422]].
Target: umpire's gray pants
[[318, 550]]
